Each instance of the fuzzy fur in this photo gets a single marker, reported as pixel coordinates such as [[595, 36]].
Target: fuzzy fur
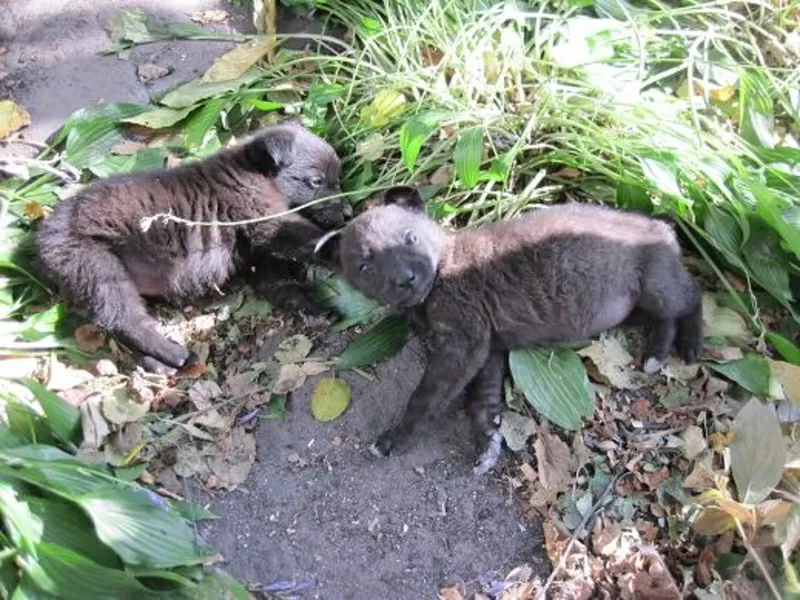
[[93, 247], [556, 275]]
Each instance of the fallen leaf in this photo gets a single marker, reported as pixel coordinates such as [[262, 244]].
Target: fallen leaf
[[614, 363], [293, 349], [314, 367], [371, 148], [330, 399], [253, 307], [450, 592], [119, 408], [193, 370], [232, 465], [201, 395], [788, 375], [290, 377], [442, 175], [188, 461], [516, 429], [242, 385], [720, 321], [554, 461], [209, 16], [124, 444], [758, 452], [235, 63], [94, 426], [694, 443], [12, 117], [63, 377], [89, 338], [33, 210]]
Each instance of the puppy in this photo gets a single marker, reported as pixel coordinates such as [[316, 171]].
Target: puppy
[[556, 275], [94, 249]]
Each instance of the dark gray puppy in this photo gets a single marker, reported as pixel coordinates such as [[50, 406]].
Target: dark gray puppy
[[556, 275], [93, 246]]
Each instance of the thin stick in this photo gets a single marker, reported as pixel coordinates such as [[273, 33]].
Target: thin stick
[[201, 411], [757, 559], [540, 595]]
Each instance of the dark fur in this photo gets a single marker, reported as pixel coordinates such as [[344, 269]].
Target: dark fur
[[557, 275], [93, 248]]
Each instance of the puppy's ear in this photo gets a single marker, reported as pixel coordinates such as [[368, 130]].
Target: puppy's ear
[[327, 248], [406, 196], [272, 151]]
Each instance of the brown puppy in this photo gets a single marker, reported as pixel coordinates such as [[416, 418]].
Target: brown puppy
[[93, 246], [557, 275]]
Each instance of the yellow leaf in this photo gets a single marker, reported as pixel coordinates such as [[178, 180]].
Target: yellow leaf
[[788, 375], [737, 511], [330, 399], [236, 62], [33, 210], [386, 105], [713, 521], [12, 117], [773, 511]]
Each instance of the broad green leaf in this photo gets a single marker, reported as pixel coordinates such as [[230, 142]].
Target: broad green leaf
[[330, 399], [413, 134], [467, 156], [235, 63], [22, 525], [324, 94], [70, 576], [195, 91], [191, 511], [263, 105], [788, 350], [554, 381], [138, 530], [767, 262], [44, 324], [758, 453], [376, 344], [725, 231], [23, 423], [91, 133], [752, 372], [160, 117], [721, 321], [63, 418], [781, 213], [253, 307], [65, 479], [334, 292], [197, 127], [632, 197], [756, 118], [661, 175], [144, 160]]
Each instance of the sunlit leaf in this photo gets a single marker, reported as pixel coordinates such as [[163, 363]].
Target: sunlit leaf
[[756, 118], [413, 134], [160, 117], [387, 105], [758, 453], [467, 156], [63, 418], [12, 117], [661, 175], [752, 372], [330, 399], [236, 62], [194, 91], [204, 119], [554, 381]]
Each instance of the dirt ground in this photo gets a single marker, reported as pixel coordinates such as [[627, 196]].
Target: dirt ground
[[317, 504]]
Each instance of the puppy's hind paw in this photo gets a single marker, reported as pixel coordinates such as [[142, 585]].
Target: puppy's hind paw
[[489, 457], [652, 365], [383, 446]]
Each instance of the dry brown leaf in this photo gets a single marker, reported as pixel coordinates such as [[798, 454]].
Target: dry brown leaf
[[694, 443], [290, 378], [614, 364], [193, 370], [233, 464], [773, 511], [89, 338], [94, 426], [789, 377], [293, 349], [554, 461], [314, 367], [206, 17], [201, 394], [236, 62], [450, 592]]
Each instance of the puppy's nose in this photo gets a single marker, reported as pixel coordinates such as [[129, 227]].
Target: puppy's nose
[[406, 280]]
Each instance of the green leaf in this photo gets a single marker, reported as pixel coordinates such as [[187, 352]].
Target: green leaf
[[766, 260], [191, 511], [554, 381], [70, 576], [376, 344], [334, 292], [25, 424], [724, 322], [195, 91], [330, 399], [138, 530], [91, 133], [413, 134], [661, 175], [200, 123], [236, 62], [160, 117], [387, 105], [467, 156], [632, 197], [253, 307], [143, 160], [119, 408], [788, 350], [263, 105], [752, 372], [725, 232], [323, 94], [756, 118], [63, 418], [758, 453]]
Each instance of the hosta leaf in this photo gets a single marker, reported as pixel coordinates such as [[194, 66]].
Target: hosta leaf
[[756, 118], [233, 64], [725, 231], [413, 134], [788, 350], [71, 576], [197, 127], [752, 372], [145, 159], [160, 117], [63, 418], [467, 156], [758, 453], [334, 292], [194, 91], [767, 262], [137, 529], [554, 381], [378, 343], [661, 175]]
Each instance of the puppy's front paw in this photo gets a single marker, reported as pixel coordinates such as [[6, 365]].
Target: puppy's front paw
[[383, 446], [490, 455]]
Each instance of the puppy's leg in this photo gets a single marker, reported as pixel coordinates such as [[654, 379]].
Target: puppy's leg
[[94, 278], [690, 323], [485, 403], [455, 361], [278, 281]]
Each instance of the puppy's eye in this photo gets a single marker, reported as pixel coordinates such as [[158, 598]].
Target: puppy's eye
[[315, 182], [365, 267], [411, 238]]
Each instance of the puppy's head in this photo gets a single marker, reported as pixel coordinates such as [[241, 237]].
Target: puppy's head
[[304, 167], [391, 251]]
